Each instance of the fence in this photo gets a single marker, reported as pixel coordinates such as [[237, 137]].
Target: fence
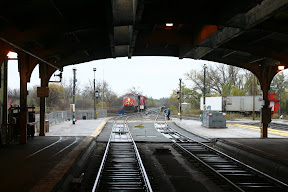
[[60, 116]]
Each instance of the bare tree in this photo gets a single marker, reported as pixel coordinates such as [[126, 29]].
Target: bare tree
[[14, 96], [218, 77], [134, 90], [33, 100]]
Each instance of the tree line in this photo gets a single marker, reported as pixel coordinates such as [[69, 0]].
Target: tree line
[[221, 80], [225, 80], [61, 96]]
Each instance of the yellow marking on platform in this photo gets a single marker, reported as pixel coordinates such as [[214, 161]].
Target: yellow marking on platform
[[271, 131], [99, 129]]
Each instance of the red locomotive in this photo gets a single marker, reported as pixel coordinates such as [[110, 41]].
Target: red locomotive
[[133, 103]]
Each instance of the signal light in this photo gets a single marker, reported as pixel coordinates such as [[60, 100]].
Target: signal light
[[178, 95]]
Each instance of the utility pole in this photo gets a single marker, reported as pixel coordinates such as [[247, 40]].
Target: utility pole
[[74, 84], [180, 106], [94, 96], [204, 91]]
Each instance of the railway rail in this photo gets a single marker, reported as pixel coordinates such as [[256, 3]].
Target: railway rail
[[121, 168], [236, 175]]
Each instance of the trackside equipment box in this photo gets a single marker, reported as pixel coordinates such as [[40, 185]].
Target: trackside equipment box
[[214, 119]]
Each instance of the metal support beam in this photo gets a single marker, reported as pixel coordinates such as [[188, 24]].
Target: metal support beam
[[125, 14]]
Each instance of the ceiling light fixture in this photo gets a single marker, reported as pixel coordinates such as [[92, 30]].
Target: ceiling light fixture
[[281, 67], [169, 24]]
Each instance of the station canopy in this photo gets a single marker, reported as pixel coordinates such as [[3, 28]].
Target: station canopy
[[65, 32]]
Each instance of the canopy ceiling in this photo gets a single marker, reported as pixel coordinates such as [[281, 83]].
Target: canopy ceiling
[[65, 32]]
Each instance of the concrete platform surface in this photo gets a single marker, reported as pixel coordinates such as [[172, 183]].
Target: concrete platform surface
[[80, 128], [233, 130], [41, 163]]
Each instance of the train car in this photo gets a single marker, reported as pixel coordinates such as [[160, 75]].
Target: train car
[[133, 103], [241, 104], [130, 103], [143, 102]]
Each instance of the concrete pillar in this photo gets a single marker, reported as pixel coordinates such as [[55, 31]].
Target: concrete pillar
[[23, 62]]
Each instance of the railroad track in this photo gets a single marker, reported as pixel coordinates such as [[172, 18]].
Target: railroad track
[[121, 168], [236, 175]]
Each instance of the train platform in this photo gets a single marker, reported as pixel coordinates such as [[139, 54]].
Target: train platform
[[41, 163], [243, 142]]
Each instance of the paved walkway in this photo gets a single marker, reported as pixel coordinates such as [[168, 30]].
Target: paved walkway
[[80, 128], [233, 130], [41, 163]]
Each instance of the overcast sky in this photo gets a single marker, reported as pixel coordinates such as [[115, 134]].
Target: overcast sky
[[155, 77]]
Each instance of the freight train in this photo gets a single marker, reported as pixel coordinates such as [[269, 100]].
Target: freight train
[[133, 103], [241, 104]]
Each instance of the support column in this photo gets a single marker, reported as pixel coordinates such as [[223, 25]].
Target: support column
[[5, 100], [265, 116], [265, 80], [44, 84], [42, 115], [23, 68], [4, 131]]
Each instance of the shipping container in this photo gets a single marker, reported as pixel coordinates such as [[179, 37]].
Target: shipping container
[[216, 103], [243, 103]]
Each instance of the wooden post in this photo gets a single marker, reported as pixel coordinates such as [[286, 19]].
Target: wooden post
[[44, 83], [266, 76], [23, 68], [5, 104]]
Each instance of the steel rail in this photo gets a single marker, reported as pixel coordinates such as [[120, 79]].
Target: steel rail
[[225, 156], [96, 183], [138, 157], [142, 168], [233, 185]]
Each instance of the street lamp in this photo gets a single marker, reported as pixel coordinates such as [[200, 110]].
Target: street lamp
[[74, 87], [179, 97], [94, 96], [204, 91]]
